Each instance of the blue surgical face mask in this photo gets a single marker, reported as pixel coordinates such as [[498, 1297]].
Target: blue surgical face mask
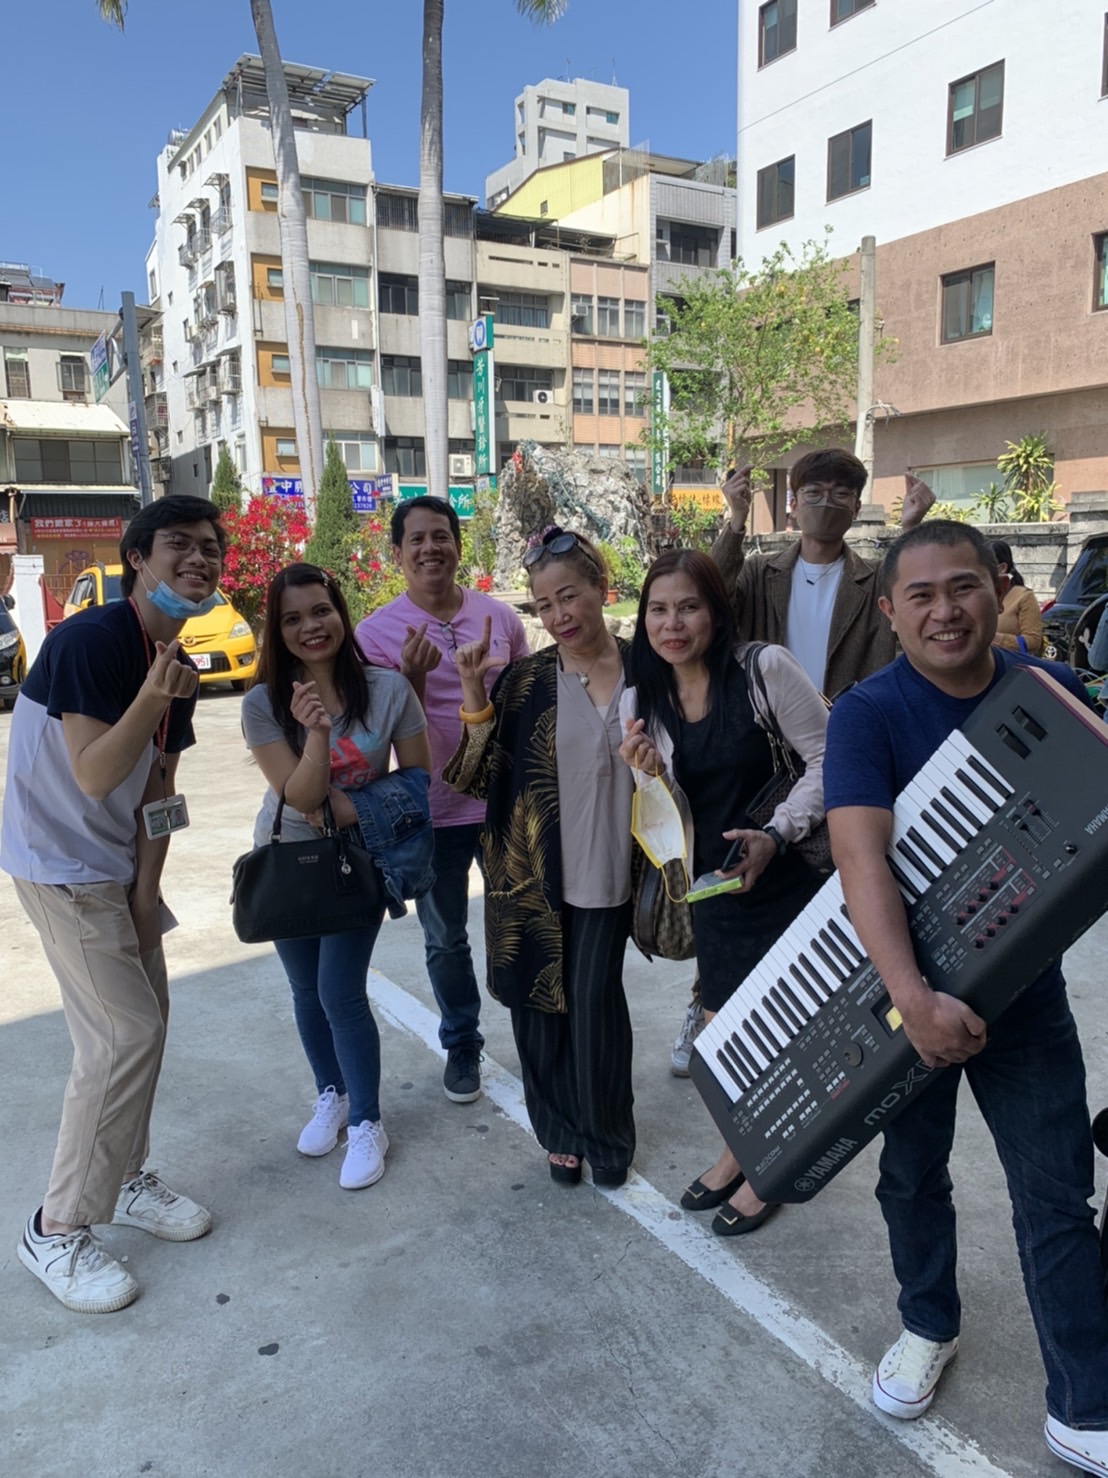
[[177, 607]]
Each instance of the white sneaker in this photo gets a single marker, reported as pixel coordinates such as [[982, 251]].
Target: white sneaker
[[904, 1383], [321, 1133], [366, 1147], [682, 1048], [147, 1202], [1085, 1450], [77, 1270]]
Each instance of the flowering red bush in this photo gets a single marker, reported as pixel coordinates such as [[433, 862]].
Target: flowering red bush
[[266, 535]]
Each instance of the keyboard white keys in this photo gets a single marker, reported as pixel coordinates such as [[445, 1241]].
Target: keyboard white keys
[[941, 811]]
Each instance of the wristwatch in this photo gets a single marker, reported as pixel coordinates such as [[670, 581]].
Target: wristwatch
[[778, 840]]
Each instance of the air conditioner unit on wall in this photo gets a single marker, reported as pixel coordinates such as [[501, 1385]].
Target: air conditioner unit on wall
[[460, 464], [543, 397]]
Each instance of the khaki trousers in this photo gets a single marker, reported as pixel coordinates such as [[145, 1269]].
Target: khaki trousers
[[116, 1003]]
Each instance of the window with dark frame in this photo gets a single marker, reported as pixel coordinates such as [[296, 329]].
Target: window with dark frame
[[584, 383], [405, 456], [775, 191], [397, 294], [459, 379], [1100, 280], [776, 30], [967, 303], [975, 111], [520, 381], [848, 161], [842, 10], [401, 374]]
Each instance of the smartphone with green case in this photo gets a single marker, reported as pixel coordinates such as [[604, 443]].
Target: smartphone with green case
[[710, 884]]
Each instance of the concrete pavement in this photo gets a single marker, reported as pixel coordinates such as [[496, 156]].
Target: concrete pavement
[[465, 1314]]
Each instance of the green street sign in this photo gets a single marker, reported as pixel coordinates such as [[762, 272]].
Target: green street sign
[[482, 412], [659, 451], [461, 496]]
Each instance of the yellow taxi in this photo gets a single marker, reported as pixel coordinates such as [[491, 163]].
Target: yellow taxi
[[221, 643], [13, 656]]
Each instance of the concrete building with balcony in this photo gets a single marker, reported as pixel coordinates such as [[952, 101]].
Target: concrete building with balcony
[[65, 467], [971, 143], [214, 276], [558, 119], [665, 219]]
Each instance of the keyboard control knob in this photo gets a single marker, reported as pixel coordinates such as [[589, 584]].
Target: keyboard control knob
[[853, 1055], [1069, 848], [991, 932], [979, 943]]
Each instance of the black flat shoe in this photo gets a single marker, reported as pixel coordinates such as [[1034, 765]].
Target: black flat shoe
[[565, 1174], [699, 1197], [732, 1223], [609, 1178]]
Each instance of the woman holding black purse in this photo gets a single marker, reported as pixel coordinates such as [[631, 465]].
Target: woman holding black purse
[[320, 722], [701, 713]]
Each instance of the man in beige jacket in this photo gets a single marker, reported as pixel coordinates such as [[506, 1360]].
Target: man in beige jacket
[[816, 597]]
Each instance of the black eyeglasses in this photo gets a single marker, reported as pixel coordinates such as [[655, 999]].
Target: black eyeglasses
[[558, 543]]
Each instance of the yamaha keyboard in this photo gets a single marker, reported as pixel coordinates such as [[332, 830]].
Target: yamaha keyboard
[[1000, 849]]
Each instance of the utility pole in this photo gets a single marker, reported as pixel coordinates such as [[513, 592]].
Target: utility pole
[[140, 451], [867, 334]]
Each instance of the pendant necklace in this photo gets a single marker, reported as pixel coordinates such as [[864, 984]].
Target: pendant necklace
[[583, 677], [805, 567]]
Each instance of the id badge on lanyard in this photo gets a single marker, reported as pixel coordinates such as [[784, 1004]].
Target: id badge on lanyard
[[171, 813]]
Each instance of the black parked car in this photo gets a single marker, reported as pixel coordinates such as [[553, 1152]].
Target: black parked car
[[1065, 634]]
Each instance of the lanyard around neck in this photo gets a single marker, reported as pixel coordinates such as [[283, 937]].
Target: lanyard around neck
[[161, 733]]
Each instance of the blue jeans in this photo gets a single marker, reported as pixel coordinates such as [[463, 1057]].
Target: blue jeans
[[443, 913], [336, 1026], [1029, 1083]]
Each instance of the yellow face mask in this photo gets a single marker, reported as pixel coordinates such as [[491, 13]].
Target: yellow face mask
[[660, 823]]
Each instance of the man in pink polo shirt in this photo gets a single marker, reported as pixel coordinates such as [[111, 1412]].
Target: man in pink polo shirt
[[418, 634]]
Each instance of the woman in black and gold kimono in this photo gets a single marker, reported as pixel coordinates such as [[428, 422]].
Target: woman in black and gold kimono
[[543, 753]]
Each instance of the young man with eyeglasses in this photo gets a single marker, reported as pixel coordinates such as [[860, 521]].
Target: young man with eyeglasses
[[88, 811], [817, 597], [418, 634]]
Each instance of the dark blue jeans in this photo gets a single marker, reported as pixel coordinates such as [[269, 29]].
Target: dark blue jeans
[[336, 1026], [444, 912], [1029, 1083]]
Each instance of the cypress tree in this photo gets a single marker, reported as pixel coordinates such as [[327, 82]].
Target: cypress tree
[[335, 523], [226, 490]]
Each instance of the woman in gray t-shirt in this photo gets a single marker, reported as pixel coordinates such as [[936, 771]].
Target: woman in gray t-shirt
[[320, 723]]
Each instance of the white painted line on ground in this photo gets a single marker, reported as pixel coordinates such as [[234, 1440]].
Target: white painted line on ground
[[946, 1451]]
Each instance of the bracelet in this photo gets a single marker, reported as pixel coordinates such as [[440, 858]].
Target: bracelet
[[481, 717], [322, 764]]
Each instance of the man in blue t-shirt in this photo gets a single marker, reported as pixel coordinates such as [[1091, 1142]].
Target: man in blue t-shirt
[[942, 597], [88, 811]]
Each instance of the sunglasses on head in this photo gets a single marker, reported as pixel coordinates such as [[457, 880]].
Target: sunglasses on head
[[555, 541]]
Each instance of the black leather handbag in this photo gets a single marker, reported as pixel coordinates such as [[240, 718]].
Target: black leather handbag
[[297, 890]]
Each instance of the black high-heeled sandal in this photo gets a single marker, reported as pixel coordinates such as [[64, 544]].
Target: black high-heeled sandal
[[564, 1174], [699, 1197]]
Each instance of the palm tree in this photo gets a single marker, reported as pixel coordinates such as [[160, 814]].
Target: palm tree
[[293, 226], [432, 262]]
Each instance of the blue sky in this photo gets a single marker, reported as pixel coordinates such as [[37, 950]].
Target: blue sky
[[88, 109]]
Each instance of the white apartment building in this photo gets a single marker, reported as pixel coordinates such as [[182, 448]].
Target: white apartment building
[[972, 143], [214, 274], [555, 120]]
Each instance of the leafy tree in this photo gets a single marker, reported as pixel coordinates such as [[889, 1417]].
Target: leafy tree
[[1027, 467], [226, 489], [335, 521], [262, 538], [757, 360]]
